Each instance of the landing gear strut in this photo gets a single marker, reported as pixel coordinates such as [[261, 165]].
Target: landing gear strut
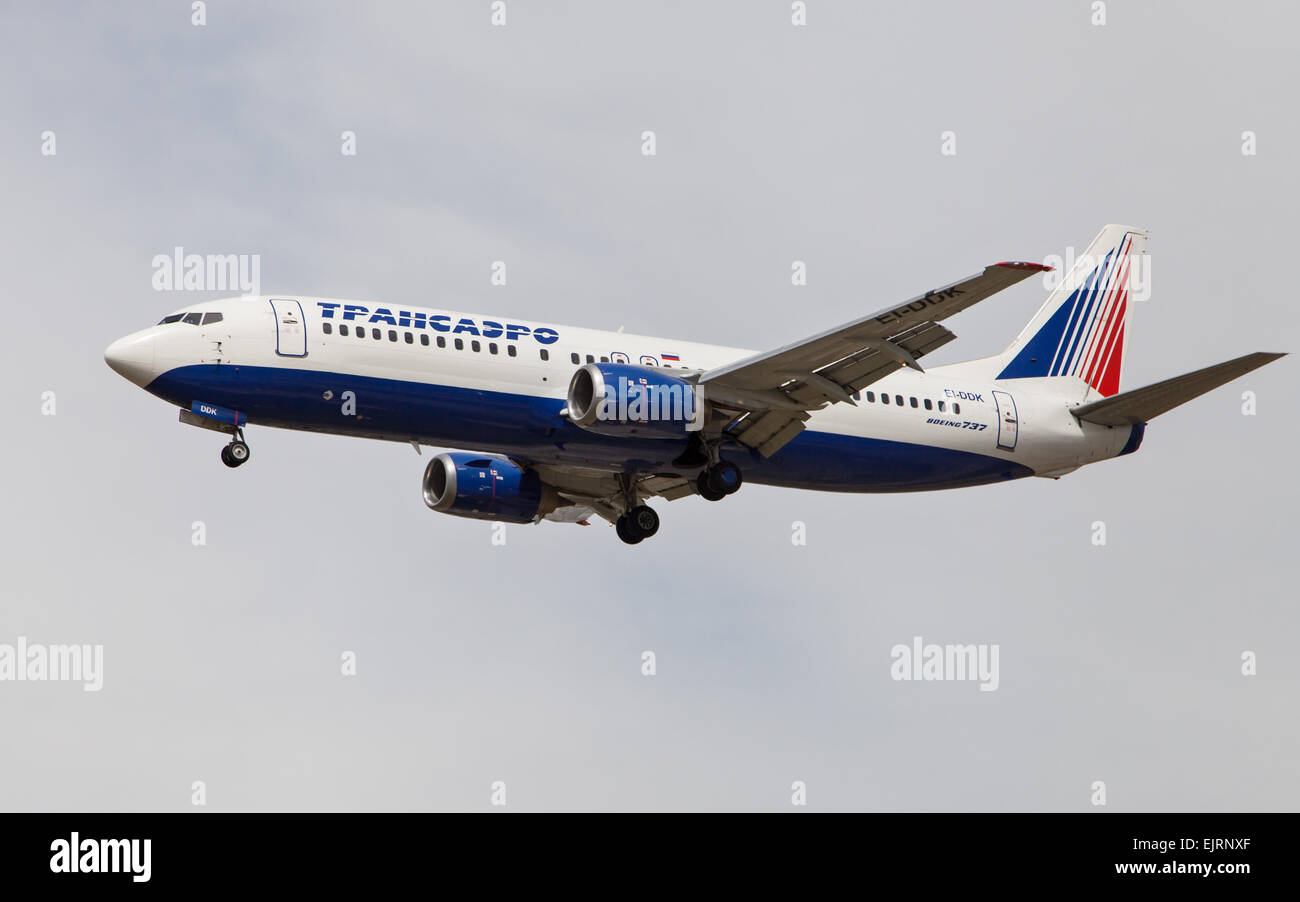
[[637, 522], [236, 453]]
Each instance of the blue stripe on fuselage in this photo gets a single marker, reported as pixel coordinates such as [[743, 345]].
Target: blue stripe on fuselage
[[530, 428]]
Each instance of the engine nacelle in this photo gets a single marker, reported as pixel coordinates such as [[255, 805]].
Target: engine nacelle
[[625, 399], [486, 488]]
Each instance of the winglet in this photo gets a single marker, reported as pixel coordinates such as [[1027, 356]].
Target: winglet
[[1032, 267]]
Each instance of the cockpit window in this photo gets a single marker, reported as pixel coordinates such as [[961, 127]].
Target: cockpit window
[[194, 319]]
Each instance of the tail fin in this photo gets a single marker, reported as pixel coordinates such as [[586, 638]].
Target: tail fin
[[1079, 332]]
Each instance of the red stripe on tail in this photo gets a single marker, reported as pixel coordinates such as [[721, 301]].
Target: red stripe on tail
[[1103, 347]]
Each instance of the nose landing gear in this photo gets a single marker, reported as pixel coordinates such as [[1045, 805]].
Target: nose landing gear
[[236, 453]]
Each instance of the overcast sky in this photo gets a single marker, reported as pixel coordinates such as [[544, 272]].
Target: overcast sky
[[522, 663]]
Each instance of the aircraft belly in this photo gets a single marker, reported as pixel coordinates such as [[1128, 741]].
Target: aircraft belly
[[529, 427]]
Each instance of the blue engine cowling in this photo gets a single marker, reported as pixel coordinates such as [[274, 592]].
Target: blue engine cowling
[[624, 399], [485, 488]]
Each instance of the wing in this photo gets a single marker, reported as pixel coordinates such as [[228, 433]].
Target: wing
[[772, 393], [602, 492]]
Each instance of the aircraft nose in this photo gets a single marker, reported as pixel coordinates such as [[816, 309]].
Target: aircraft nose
[[132, 358]]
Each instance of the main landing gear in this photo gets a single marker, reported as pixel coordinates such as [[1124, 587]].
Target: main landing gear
[[719, 480], [639, 523], [236, 453]]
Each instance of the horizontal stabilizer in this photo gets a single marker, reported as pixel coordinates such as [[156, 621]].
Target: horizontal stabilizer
[[1143, 404]]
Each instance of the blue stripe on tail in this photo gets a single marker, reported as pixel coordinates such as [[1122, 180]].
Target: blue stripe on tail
[[1035, 358], [1100, 275]]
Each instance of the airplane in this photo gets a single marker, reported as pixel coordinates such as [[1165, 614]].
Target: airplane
[[563, 423]]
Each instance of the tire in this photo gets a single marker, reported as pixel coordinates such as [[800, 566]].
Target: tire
[[624, 533], [226, 458], [706, 491], [642, 521], [238, 452], [725, 478]]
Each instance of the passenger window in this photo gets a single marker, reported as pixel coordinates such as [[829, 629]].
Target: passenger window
[[884, 398], [898, 399], [913, 400], [857, 396], [343, 329], [442, 342], [460, 344], [510, 349], [604, 360], [327, 328], [492, 347], [928, 405], [392, 335], [573, 357], [376, 334], [176, 318], [956, 408], [591, 359], [410, 339], [209, 318], [546, 355], [871, 397], [942, 407], [474, 345], [193, 318], [424, 339], [361, 331]]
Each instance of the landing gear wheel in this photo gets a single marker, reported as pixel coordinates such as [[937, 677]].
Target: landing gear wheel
[[639, 523], [642, 521], [706, 491], [621, 527], [724, 477], [235, 454]]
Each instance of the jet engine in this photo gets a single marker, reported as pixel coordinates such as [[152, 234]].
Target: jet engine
[[465, 484], [623, 399]]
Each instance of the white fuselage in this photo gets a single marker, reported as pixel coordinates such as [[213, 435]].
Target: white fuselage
[[498, 385]]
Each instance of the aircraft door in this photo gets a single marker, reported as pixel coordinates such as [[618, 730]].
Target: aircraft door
[[290, 332], [1008, 422]]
